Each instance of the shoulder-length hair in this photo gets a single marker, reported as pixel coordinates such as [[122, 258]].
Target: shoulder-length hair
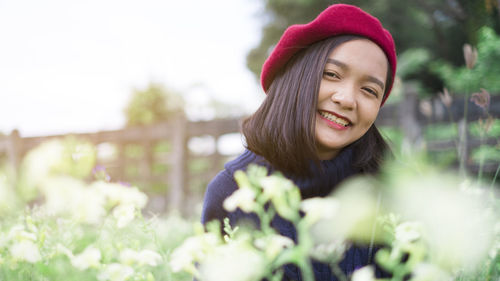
[[282, 130]]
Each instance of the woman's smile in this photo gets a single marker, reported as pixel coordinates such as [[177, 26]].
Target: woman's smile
[[334, 120], [350, 95]]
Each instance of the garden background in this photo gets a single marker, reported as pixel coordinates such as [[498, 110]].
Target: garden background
[[444, 108]]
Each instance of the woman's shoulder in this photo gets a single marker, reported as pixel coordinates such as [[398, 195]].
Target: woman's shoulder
[[219, 188], [223, 185]]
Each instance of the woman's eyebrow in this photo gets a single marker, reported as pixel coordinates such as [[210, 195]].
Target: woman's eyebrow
[[345, 66], [375, 80], [336, 62]]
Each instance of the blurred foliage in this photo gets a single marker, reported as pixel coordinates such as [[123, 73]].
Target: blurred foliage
[[475, 129], [487, 154], [485, 73], [412, 61], [439, 27], [440, 132], [426, 228], [71, 227], [444, 158], [394, 136], [59, 157], [153, 104], [162, 147]]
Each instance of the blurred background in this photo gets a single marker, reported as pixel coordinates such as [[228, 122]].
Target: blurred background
[[158, 88]]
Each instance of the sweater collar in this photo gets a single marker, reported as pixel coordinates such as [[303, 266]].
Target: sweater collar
[[324, 179]]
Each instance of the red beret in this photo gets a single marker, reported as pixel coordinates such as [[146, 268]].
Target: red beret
[[335, 20]]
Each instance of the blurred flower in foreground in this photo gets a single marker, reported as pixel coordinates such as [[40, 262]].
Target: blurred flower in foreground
[[25, 250], [332, 252], [284, 195], [243, 198], [408, 232], [470, 55], [429, 272], [366, 273], [192, 250], [144, 257], [272, 245], [115, 272], [90, 257], [124, 214], [481, 99], [117, 194], [350, 214], [237, 261], [457, 225]]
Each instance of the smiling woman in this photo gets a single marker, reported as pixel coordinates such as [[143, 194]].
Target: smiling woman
[[325, 83], [349, 96]]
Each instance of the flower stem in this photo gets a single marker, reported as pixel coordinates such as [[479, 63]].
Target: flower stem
[[337, 271], [495, 178]]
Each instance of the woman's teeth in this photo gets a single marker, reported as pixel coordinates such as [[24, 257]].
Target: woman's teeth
[[334, 118]]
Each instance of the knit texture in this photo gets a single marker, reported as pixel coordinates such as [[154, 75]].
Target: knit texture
[[335, 20], [322, 183]]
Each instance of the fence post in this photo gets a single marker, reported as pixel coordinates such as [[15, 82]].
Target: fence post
[[122, 161], [147, 161], [178, 164], [463, 151], [14, 149], [408, 119]]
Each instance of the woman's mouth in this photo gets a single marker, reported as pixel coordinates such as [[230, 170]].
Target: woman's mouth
[[336, 119]]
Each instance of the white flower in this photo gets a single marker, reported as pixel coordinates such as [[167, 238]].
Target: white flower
[[457, 226], [117, 194], [366, 273], [429, 272], [330, 252], [284, 195], [124, 214], [144, 257], [148, 257], [408, 232], [319, 208], [68, 196], [244, 198], [128, 256], [349, 214], [193, 249], [233, 262], [90, 257], [275, 186], [90, 208], [18, 233], [272, 245], [25, 250], [115, 272], [38, 163]]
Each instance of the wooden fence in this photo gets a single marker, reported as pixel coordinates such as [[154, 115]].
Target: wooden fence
[[405, 115], [177, 132]]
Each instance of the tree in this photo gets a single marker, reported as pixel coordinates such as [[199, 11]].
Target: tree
[[152, 105], [441, 27]]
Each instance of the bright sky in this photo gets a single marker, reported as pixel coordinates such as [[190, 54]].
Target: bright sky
[[71, 65]]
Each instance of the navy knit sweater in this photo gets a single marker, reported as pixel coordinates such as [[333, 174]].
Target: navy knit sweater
[[320, 184]]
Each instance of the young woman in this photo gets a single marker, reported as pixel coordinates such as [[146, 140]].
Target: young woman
[[325, 83]]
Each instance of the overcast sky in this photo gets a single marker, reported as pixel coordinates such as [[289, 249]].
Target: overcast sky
[[71, 65]]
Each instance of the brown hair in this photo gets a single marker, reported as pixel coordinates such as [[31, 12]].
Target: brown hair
[[282, 130]]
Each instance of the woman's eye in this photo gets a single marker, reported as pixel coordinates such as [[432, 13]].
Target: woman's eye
[[330, 74], [371, 91]]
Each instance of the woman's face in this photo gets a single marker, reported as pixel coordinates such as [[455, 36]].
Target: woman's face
[[350, 95]]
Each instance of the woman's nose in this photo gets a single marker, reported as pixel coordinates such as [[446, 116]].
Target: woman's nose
[[344, 98]]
